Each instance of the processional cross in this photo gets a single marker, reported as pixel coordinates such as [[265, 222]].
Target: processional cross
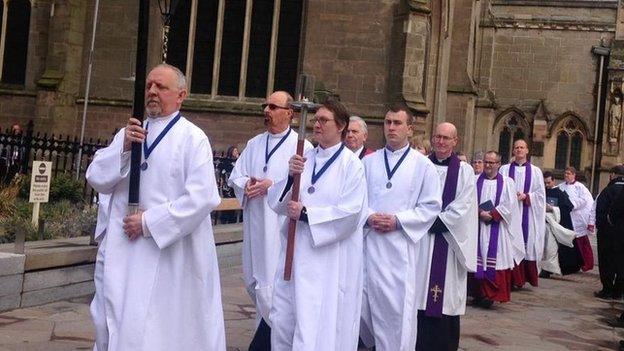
[[304, 104]]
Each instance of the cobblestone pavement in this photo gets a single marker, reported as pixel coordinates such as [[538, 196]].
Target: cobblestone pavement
[[561, 314]]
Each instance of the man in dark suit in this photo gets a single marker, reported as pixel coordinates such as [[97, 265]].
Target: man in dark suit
[[609, 240]]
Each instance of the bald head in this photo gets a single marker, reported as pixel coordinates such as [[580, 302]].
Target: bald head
[[447, 128], [277, 112], [444, 140], [283, 96]]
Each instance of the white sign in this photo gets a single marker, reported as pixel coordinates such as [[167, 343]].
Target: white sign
[[40, 181]]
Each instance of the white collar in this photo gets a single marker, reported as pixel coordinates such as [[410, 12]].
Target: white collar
[[279, 135], [162, 119], [329, 151], [359, 151], [399, 151]]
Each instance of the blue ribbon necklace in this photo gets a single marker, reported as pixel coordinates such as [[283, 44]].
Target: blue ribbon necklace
[[147, 150], [267, 154], [316, 176], [389, 172]]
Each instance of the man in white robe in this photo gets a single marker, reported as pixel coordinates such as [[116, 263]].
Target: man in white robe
[[319, 307], [501, 245], [263, 162], [99, 315], [403, 201], [583, 203], [531, 196], [450, 248], [159, 285]]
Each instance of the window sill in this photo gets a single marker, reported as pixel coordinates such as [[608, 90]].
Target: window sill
[[16, 90], [195, 103]]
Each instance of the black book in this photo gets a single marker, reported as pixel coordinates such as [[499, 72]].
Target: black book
[[487, 206]]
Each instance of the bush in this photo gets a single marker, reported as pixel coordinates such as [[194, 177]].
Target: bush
[[61, 220], [62, 187]]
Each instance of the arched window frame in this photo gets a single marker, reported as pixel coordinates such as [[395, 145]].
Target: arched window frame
[[575, 135], [273, 74], [510, 121]]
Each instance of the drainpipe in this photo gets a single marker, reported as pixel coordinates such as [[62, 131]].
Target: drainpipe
[[603, 53]]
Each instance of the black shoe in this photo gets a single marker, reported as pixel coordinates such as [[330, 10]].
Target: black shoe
[[545, 274], [616, 296], [486, 303], [616, 323], [602, 294]]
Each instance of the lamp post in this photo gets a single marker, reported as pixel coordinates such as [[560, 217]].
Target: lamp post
[[167, 9]]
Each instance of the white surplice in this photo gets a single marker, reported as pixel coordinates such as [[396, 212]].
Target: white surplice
[[160, 292], [97, 306], [103, 209], [583, 203], [460, 217], [555, 234], [390, 305], [537, 210], [261, 240], [510, 247], [319, 308]]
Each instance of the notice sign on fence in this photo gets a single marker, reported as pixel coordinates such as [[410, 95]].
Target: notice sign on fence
[[40, 181]]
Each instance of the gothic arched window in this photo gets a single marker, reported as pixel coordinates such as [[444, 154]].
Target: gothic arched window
[[513, 129], [569, 145], [233, 48], [14, 41]]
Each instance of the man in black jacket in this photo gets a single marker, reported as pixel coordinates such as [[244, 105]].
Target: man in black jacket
[[570, 259], [609, 242]]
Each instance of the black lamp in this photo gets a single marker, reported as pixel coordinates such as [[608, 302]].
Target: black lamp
[[167, 9]]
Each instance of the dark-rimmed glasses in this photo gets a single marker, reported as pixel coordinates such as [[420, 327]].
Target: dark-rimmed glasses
[[274, 107]]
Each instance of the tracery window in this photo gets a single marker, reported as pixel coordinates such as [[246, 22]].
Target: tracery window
[[510, 132], [240, 48], [14, 29], [569, 145]]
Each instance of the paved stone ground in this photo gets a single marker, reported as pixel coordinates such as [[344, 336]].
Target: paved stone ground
[[561, 314]]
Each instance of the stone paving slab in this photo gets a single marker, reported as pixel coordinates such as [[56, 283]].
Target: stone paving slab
[[561, 314]]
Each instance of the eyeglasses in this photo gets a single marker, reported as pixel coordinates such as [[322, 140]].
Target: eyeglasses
[[490, 162], [322, 120], [443, 137], [274, 107]]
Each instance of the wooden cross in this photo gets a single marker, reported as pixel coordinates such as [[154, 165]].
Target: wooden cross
[[436, 290]]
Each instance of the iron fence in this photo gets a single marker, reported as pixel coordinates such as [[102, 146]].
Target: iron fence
[[17, 152]]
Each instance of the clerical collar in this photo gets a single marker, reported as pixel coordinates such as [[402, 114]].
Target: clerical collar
[[493, 178], [162, 119], [329, 151], [574, 181], [399, 151], [520, 165], [359, 151], [280, 134], [438, 162]]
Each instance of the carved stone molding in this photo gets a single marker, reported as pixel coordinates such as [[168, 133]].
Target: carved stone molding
[[421, 6], [547, 23], [411, 37]]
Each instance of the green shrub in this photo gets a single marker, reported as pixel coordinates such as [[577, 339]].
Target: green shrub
[[62, 219], [63, 187]]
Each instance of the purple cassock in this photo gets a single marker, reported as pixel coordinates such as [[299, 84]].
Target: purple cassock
[[437, 276], [487, 269]]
